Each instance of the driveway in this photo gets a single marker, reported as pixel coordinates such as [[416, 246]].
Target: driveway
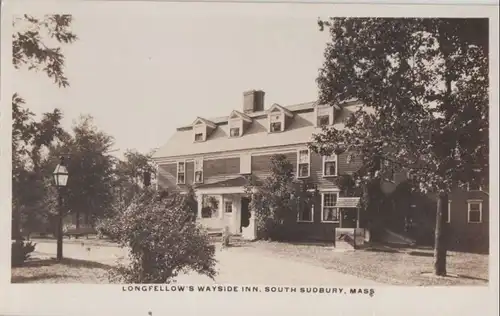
[[244, 264]]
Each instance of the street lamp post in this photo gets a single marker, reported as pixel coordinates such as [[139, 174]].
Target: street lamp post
[[60, 180]]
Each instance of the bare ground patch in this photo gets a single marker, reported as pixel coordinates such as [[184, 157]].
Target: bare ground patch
[[393, 266]]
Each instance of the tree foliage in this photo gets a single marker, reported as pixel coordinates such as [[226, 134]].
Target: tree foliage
[[30, 137], [278, 198], [36, 44], [423, 88], [129, 174], [90, 190], [163, 240], [427, 90]]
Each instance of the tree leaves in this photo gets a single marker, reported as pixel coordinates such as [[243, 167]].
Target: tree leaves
[[30, 44], [425, 82]]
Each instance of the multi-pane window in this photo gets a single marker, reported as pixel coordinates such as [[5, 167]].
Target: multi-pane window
[[475, 214], [198, 137], [235, 126], [199, 132], [234, 132], [323, 120], [330, 165], [306, 214], [324, 115], [276, 122], [181, 172], [228, 207], [303, 163], [198, 170], [330, 212]]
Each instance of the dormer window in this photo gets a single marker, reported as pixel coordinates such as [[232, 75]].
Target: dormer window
[[234, 132], [238, 122], [277, 118], [202, 128], [324, 115]]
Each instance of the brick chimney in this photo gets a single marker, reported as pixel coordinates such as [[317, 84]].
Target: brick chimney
[[253, 101]]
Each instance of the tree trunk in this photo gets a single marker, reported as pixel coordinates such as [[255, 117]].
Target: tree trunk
[[440, 236]]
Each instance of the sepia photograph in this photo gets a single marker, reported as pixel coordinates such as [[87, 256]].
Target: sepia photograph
[[248, 152]]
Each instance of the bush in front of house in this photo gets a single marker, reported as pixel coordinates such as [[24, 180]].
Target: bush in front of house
[[21, 251], [163, 238]]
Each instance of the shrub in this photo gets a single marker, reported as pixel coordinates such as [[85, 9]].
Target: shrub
[[163, 238], [21, 251]]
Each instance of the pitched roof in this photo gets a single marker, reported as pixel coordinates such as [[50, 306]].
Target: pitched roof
[[280, 108], [205, 121], [300, 131], [243, 116]]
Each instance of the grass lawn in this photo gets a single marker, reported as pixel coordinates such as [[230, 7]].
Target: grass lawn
[[393, 266], [66, 271]]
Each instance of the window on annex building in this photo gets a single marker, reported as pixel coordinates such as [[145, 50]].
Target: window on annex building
[[304, 162], [475, 211], [329, 212]]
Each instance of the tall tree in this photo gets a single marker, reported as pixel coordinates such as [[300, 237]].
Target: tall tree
[[90, 187], [29, 138], [130, 174], [31, 48], [423, 84]]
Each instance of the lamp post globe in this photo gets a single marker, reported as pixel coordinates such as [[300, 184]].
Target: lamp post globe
[[61, 176]]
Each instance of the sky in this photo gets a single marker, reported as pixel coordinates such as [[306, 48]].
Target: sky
[[143, 73]]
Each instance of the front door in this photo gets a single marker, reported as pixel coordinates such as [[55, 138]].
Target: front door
[[245, 213]]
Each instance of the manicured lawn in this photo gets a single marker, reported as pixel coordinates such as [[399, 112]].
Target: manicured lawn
[[66, 271], [393, 266]]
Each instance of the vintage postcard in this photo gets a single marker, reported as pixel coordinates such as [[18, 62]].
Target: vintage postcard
[[193, 158]]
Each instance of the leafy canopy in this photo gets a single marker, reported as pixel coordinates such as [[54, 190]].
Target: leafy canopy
[[423, 86]]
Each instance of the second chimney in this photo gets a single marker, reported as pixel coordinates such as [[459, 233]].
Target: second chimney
[[253, 101]]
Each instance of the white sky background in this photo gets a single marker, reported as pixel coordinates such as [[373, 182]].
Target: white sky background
[[141, 74]]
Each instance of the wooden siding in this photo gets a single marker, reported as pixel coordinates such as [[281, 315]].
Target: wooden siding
[[464, 235]]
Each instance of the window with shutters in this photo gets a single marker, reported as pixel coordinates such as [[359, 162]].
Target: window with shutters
[[181, 172], [304, 163]]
